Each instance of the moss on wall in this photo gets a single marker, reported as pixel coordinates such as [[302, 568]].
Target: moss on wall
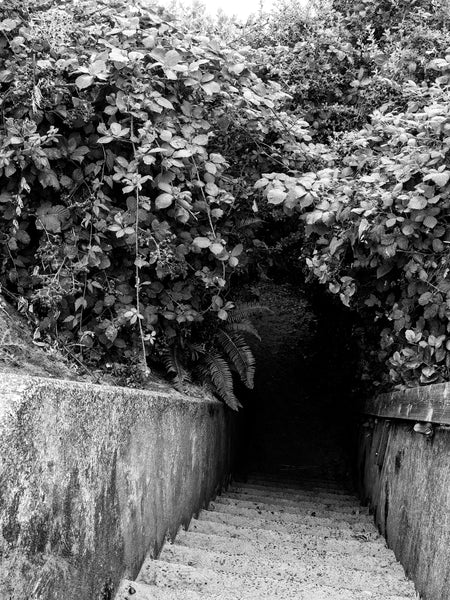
[[405, 478], [92, 477]]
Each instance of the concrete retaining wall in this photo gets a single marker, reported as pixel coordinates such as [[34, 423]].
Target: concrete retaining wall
[[405, 477], [92, 477]]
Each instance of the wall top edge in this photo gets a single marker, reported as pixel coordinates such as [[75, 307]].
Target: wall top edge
[[429, 403], [12, 384]]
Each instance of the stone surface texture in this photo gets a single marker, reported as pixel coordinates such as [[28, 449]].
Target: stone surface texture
[[274, 550], [405, 477], [93, 478]]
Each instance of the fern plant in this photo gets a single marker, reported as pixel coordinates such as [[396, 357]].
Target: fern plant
[[215, 362], [173, 363]]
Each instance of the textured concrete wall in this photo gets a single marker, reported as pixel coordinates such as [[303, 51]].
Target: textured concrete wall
[[406, 479], [92, 477]]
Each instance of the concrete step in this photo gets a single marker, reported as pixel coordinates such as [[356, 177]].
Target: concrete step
[[303, 475], [341, 530], [329, 487], [310, 473], [292, 494], [298, 479], [310, 541], [292, 550], [307, 501], [211, 584], [333, 575], [275, 539], [363, 524], [131, 590], [344, 513]]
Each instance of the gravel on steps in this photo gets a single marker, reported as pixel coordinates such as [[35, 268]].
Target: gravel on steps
[[210, 583], [309, 552], [310, 538]]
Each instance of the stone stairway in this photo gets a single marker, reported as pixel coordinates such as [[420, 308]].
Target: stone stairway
[[277, 540]]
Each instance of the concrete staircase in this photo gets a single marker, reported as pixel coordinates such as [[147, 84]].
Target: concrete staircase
[[274, 539]]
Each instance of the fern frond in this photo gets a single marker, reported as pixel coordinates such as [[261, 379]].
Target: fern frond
[[244, 326], [175, 367], [239, 354], [245, 309], [196, 350], [216, 369]]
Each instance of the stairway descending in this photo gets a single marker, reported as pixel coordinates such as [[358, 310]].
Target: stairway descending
[[275, 539]]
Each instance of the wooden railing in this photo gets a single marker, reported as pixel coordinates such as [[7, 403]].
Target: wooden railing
[[430, 404]]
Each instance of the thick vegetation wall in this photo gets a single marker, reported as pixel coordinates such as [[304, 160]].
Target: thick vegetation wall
[[93, 477], [150, 164], [121, 227]]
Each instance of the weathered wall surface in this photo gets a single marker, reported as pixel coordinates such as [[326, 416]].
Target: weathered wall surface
[[406, 479], [92, 477]]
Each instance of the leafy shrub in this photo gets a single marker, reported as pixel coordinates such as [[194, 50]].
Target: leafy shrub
[[120, 226], [379, 228], [131, 155], [341, 60], [357, 222]]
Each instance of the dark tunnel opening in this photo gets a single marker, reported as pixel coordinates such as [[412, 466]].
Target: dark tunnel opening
[[300, 420]]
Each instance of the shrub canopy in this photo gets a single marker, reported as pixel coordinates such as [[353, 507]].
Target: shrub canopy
[[147, 169], [119, 224]]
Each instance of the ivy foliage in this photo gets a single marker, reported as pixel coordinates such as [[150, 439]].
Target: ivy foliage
[[341, 60], [376, 212], [120, 224], [148, 169]]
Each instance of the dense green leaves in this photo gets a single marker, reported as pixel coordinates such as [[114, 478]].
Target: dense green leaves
[[117, 215], [376, 223], [145, 168]]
